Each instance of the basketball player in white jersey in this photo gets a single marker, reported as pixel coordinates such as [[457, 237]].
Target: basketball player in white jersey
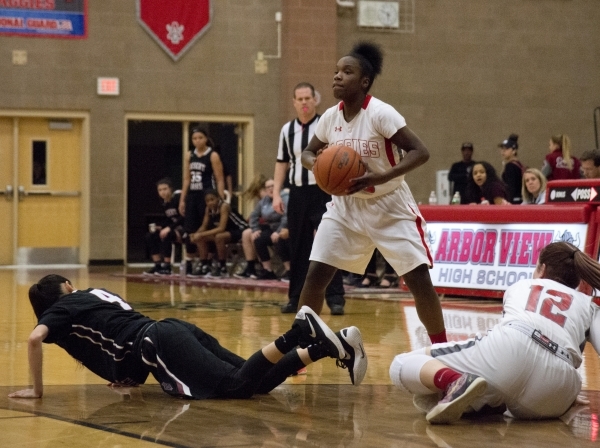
[[527, 363], [379, 210]]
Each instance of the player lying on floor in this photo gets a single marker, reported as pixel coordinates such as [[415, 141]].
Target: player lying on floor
[[100, 330], [527, 363]]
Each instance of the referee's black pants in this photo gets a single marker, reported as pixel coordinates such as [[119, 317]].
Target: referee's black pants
[[306, 206]]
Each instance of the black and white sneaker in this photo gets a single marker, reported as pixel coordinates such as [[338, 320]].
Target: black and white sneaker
[[458, 397], [165, 269], [265, 275], [356, 357], [314, 330], [221, 272], [200, 271], [246, 273], [153, 270]]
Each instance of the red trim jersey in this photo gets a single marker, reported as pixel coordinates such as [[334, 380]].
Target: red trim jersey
[[559, 168], [559, 312], [369, 134]]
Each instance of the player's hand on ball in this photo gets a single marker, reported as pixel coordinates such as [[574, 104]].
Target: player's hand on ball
[[366, 181], [334, 168], [317, 154]]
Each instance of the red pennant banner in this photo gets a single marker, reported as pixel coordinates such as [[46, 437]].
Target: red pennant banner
[[175, 24]]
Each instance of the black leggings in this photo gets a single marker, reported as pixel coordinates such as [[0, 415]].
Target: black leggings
[[262, 243], [194, 211], [187, 362], [162, 247]]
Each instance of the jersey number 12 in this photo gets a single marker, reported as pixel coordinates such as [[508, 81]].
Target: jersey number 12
[[557, 299]]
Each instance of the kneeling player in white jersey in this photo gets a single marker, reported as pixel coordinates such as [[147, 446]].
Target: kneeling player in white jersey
[[527, 363], [379, 210]]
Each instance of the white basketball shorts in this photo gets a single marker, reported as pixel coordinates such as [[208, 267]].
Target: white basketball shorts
[[352, 228], [531, 381]]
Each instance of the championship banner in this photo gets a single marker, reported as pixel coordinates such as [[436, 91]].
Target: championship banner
[[175, 24], [44, 18], [492, 256]]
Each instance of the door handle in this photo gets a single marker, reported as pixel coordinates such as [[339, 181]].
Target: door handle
[[21, 192], [8, 192], [53, 193]]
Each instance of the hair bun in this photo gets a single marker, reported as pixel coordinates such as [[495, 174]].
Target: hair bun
[[371, 52]]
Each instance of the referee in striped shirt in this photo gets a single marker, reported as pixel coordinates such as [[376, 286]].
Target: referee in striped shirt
[[306, 202]]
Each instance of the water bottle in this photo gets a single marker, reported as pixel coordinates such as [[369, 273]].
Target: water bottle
[[456, 199], [432, 198], [182, 267]]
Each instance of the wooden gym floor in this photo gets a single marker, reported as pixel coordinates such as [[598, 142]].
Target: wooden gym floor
[[320, 409]]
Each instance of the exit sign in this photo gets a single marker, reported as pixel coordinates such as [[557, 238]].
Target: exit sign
[[108, 86]]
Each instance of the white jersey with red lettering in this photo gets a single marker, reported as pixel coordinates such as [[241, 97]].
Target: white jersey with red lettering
[[560, 313], [368, 134], [388, 218], [530, 358]]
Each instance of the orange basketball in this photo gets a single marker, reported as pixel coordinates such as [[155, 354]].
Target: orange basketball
[[334, 168]]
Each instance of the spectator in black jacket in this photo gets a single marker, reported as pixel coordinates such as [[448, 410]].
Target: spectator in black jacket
[[513, 168], [460, 172]]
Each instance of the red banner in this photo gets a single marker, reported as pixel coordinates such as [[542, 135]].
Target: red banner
[[175, 24]]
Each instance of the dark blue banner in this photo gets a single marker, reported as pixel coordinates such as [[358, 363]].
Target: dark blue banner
[[44, 18]]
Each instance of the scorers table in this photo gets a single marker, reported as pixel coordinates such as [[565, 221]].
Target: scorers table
[[482, 250]]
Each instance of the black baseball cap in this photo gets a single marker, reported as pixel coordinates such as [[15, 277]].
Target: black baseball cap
[[510, 142], [467, 145]]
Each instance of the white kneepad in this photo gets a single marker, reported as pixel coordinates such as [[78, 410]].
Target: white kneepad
[[405, 372]]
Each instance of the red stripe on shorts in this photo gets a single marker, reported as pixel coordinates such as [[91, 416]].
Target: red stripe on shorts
[[419, 223]]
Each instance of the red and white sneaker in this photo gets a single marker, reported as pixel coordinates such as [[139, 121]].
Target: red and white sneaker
[[460, 394]]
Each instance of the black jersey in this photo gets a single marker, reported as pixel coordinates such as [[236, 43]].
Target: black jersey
[[235, 222], [99, 329], [171, 209], [201, 171]]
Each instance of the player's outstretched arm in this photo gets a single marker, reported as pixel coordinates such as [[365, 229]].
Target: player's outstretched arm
[[35, 354], [310, 152]]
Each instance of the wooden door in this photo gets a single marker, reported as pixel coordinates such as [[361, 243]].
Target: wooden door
[[7, 204], [48, 191]]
